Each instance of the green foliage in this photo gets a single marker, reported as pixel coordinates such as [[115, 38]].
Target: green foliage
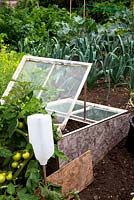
[[131, 72], [8, 63], [111, 55], [29, 26], [33, 176], [53, 192], [10, 189], [105, 10], [2, 38], [49, 194], [25, 174], [18, 105], [105, 46], [23, 195], [5, 152], [102, 10]]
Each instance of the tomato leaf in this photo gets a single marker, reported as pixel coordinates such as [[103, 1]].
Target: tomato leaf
[[33, 175], [49, 194], [23, 195], [5, 152], [10, 189], [12, 126]]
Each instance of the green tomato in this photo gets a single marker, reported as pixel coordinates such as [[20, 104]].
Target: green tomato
[[4, 173], [27, 98], [9, 176], [2, 178], [17, 156], [19, 100], [14, 164], [26, 155], [20, 125]]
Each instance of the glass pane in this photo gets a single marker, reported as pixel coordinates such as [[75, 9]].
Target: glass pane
[[34, 72], [63, 106], [96, 114], [78, 106], [63, 83]]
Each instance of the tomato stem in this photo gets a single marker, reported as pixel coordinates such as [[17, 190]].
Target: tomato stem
[[24, 134]]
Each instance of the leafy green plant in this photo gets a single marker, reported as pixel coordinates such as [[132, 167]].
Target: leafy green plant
[[86, 50], [14, 139], [102, 10], [111, 55], [2, 38], [53, 192], [129, 49], [9, 60], [28, 25], [95, 75]]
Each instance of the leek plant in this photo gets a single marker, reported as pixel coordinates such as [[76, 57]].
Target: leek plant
[[130, 61], [111, 55], [87, 50]]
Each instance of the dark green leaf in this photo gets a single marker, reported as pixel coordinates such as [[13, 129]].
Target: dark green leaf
[[23, 195], [50, 195], [2, 197], [33, 175], [54, 187], [5, 152], [12, 126], [10, 188]]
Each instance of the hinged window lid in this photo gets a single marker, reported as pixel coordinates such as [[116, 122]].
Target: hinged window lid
[[61, 80]]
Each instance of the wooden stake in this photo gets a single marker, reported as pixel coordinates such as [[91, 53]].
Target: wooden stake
[[84, 9], [132, 6], [44, 174], [70, 8], [85, 99]]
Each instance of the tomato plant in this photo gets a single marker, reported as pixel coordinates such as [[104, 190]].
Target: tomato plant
[[20, 172]]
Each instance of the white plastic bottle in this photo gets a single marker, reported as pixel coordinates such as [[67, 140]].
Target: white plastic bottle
[[41, 136]]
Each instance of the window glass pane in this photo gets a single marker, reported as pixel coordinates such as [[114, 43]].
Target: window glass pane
[[96, 114], [63, 83], [34, 72]]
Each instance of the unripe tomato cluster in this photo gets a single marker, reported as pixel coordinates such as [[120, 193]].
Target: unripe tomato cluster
[[5, 176], [17, 161], [18, 156]]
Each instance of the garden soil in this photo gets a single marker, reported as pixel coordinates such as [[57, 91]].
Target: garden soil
[[114, 175]]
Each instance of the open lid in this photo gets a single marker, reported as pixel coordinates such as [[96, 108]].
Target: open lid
[[63, 81]]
